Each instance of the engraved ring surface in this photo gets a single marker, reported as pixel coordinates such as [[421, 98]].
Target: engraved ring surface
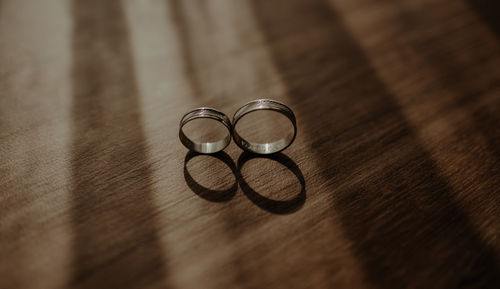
[[264, 148], [205, 147]]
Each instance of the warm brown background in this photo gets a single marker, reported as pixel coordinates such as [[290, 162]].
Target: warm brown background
[[398, 107]]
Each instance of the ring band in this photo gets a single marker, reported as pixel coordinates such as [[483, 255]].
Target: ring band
[[205, 147], [264, 148]]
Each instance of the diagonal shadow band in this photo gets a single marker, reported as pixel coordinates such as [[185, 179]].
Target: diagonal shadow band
[[267, 204], [206, 193]]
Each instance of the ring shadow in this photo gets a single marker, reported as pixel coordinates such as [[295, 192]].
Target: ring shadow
[[270, 205], [204, 192], [267, 204]]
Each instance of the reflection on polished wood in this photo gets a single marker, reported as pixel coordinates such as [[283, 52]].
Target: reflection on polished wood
[[393, 180]]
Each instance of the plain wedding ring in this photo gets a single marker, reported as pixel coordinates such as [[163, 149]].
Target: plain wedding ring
[[264, 148], [205, 147]]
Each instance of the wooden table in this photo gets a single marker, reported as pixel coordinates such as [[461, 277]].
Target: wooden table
[[392, 182]]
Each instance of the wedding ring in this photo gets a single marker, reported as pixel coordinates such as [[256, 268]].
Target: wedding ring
[[205, 147], [264, 148]]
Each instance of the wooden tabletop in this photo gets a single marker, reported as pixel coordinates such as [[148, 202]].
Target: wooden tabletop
[[393, 180]]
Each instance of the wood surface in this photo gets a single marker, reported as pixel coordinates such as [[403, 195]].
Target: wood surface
[[393, 180]]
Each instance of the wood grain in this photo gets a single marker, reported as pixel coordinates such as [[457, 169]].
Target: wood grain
[[392, 182]]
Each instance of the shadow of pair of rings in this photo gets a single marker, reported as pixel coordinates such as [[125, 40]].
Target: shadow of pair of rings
[[270, 205]]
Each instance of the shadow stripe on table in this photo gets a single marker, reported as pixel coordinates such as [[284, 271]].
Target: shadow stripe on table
[[116, 242], [488, 11], [400, 217], [187, 48], [453, 65]]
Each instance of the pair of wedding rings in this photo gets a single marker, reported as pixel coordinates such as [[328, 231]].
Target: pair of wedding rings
[[232, 129]]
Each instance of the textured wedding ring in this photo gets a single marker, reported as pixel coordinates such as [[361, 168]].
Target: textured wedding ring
[[264, 148], [205, 147]]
